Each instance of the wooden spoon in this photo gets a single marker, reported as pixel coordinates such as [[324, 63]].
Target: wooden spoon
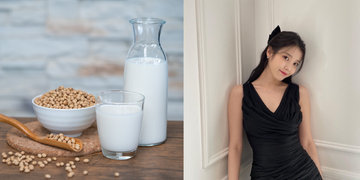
[[18, 125]]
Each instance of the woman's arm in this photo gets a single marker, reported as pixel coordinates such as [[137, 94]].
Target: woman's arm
[[235, 121], [306, 138]]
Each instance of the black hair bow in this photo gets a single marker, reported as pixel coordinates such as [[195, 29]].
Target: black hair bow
[[276, 31]]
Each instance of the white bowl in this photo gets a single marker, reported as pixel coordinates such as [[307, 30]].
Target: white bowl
[[70, 122]]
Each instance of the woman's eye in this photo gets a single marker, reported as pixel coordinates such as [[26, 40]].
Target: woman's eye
[[296, 64], [286, 58]]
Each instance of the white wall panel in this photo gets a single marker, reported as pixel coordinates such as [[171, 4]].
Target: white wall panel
[[212, 68], [218, 73]]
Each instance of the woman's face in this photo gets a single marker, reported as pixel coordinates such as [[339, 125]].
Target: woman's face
[[285, 62]]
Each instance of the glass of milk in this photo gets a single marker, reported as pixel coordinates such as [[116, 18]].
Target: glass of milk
[[119, 119]]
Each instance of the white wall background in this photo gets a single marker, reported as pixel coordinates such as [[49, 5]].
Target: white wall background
[[212, 58], [80, 44], [330, 29]]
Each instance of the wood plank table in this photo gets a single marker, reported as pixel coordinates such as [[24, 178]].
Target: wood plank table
[[164, 161]]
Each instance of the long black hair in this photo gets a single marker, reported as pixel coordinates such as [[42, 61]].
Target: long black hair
[[281, 40]]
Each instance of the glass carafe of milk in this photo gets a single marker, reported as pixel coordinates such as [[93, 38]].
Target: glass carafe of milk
[[146, 72]]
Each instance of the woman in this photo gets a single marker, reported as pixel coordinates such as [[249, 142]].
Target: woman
[[275, 114]]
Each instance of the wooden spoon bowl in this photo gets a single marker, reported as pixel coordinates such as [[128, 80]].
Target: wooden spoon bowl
[[44, 140]]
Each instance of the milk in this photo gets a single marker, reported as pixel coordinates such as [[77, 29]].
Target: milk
[[149, 76], [119, 127]]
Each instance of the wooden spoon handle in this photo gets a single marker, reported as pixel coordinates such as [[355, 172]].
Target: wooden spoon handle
[[18, 125]]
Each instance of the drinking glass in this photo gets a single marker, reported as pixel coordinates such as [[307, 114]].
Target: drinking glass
[[119, 118]]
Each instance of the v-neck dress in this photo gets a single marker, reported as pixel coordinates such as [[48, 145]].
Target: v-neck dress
[[274, 137]]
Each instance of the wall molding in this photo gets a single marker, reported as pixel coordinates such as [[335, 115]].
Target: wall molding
[[337, 146], [207, 158], [339, 174], [206, 161], [225, 178], [245, 168], [336, 152], [238, 41], [271, 15]]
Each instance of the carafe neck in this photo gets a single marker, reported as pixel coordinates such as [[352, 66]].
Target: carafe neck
[[147, 38], [147, 33]]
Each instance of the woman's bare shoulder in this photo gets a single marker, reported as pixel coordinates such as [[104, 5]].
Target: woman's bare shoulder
[[304, 95], [303, 91], [237, 91]]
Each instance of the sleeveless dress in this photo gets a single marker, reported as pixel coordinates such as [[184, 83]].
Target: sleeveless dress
[[274, 137]]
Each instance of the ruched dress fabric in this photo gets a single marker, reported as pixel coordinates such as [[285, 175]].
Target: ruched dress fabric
[[274, 137]]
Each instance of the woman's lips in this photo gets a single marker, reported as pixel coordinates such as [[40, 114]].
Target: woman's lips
[[283, 73]]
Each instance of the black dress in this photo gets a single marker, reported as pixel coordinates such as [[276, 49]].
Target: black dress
[[274, 137]]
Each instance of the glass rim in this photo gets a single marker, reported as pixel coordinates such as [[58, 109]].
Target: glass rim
[[119, 91], [147, 20]]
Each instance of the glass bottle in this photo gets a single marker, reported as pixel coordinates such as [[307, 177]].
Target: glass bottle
[[146, 72]]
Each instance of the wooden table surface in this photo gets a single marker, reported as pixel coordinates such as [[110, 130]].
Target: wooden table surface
[[164, 161]]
